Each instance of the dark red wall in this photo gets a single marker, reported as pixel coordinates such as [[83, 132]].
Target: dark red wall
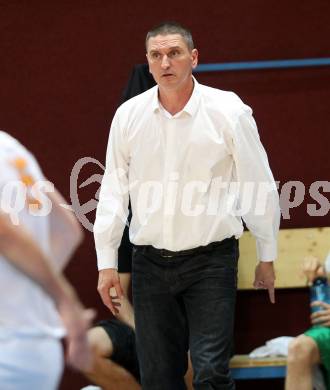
[[63, 66]]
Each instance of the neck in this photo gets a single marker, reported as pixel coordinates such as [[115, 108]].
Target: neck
[[174, 100]]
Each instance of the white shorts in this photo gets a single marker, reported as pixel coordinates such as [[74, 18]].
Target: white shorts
[[30, 363]]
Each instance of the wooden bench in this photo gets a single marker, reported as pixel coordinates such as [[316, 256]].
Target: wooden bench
[[294, 245], [243, 367]]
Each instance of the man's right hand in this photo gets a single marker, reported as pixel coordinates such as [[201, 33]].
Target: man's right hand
[[109, 278]]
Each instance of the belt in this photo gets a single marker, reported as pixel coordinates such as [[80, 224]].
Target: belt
[[187, 252]]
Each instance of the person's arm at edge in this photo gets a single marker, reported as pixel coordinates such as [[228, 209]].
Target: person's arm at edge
[[65, 231], [18, 247]]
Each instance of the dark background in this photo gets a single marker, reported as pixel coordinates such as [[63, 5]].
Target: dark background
[[63, 67]]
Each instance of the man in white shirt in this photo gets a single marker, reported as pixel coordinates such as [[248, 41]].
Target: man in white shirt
[[35, 244], [187, 156]]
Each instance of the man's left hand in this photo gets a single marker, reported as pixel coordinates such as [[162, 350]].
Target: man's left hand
[[265, 278]]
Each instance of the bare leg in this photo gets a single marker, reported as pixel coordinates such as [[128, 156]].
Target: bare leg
[[303, 355], [105, 373]]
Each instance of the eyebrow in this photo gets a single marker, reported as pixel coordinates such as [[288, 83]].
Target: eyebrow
[[170, 48]]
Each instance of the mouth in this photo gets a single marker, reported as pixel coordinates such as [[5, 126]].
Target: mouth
[[167, 75]]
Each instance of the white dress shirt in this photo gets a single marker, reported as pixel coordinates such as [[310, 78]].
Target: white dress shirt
[[171, 167]]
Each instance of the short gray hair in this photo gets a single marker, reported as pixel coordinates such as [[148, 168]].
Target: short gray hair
[[166, 28]]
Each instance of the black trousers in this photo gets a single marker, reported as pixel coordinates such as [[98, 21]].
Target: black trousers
[[181, 303]]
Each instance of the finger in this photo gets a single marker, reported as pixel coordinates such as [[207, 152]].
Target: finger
[[325, 318], [106, 299], [324, 305], [320, 320], [115, 297], [320, 271], [318, 314], [118, 289], [271, 293], [257, 283], [113, 305]]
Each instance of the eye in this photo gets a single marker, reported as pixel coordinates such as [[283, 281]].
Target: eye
[[154, 55], [173, 53]]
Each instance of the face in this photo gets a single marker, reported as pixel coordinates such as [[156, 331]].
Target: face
[[170, 61]]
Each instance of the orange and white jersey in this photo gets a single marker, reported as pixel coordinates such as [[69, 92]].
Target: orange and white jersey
[[24, 307]]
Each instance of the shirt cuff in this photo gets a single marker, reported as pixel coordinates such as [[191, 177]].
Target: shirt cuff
[[107, 258], [266, 251]]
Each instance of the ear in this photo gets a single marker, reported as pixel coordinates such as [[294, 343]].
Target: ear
[[194, 58]]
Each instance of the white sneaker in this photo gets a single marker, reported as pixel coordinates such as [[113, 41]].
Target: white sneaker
[[91, 388]]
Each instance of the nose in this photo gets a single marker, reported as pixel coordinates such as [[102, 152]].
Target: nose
[[165, 62]]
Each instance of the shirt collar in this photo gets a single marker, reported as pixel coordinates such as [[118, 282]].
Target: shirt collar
[[190, 108]]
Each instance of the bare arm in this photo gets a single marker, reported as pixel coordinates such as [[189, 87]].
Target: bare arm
[[17, 245], [19, 248]]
